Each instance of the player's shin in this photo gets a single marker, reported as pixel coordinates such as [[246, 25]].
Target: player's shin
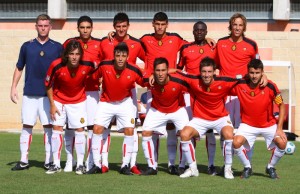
[[25, 141], [188, 151], [69, 143], [276, 155], [47, 144], [211, 147], [227, 152], [106, 145], [127, 149], [241, 153], [172, 146], [96, 148], [56, 145], [80, 142], [148, 148], [135, 148]]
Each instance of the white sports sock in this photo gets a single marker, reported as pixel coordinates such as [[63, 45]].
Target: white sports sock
[[211, 148], [172, 146], [47, 143], [156, 141], [96, 148], [148, 149], [80, 142], [127, 149], [89, 153], [69, 143], [227, 152], [242, 155], [25, 141], [106, 146], [56, 145], [276, 155], [188, 151], [135, 148]]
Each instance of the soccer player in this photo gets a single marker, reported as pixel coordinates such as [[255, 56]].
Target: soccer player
[[65, 83], [167, 105], [119, 77], [91, 52], [121, 26], [191, 55], [209, 113], [258, 119], [36, 56]]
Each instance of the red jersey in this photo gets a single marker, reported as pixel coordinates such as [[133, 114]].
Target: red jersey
[[235, 56], [209, 102], [167, 47], [116, 84], [168, 98], [257, 103], [191, 55], [134, 46], [68, 84], [92, 53]]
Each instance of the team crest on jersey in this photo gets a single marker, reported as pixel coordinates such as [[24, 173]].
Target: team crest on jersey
[[48, 78], [201, 51], [42, 53], [233, 47], [132, 120], [85, 46], [82, 120], [160, 43], [208, 89], [252, 93]]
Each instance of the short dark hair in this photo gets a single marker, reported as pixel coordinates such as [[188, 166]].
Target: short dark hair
[[160, 16], [121, 47], [199, 23], [160, 60], [84, 19], [206, 62], [256, 64], [72, 45], [43, 17], [121, 17]]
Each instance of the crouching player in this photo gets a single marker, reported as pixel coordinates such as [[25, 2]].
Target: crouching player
[[209, 113], [65, 83], [167, 105], [258, 119]]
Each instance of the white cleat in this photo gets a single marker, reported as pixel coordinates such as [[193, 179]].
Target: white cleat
[[190, 173], [69, 166], [228, 174]]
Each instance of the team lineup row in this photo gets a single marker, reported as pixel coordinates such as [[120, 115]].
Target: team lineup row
[[72, 81]]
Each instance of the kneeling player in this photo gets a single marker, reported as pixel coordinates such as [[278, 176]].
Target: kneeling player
[[258, 119]]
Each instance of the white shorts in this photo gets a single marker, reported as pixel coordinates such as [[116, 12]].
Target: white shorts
[[202, 125], [156, 121], [74, 114], [92, 99], [250, 133], [187, 100], [124, 111], [33, 107]]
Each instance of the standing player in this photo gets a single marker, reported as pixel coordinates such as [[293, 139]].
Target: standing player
[[121, 26], [258, 119], [167, 105], [119, 77], [91, 52], [36, 56], [191, 55], [209, 113], [65, 84]]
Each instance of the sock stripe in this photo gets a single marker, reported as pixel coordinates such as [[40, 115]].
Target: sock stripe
[[192, 152]]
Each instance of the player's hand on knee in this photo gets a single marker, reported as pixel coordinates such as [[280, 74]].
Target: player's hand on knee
[[280, 134]]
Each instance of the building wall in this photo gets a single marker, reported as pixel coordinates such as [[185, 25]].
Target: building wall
[[275, 45]]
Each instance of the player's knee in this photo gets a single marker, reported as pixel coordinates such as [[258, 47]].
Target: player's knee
[[185, 135], [280, 143], [147, 133], [238, 141], [98, 129], [227, 133]]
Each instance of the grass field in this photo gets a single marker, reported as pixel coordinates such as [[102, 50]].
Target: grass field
[[35, 180]]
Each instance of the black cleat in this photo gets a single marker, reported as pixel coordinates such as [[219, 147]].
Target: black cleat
[[126, 170], [181, 170], [47, 166], [149, 171], [53, 169], [80, 170], [94, 170], [20, 166], [211, 170], [173, 170], [247, 172], [272, 172]]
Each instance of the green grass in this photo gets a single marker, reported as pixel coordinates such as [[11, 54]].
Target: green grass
[[35, 180]]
